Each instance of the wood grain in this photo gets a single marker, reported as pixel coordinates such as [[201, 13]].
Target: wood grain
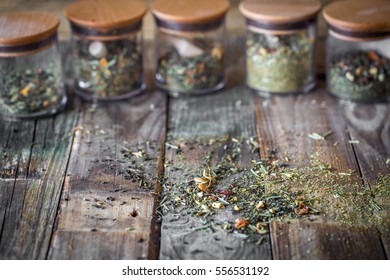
[[284, 124], [282, 11], [102, 14], [370, 125], [122, 222], [204, 118], [32, 176], [228, 113], [182, 11], [371, 17], [26, 27]]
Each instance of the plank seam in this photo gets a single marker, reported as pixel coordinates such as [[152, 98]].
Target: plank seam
[[155, 227], [381, 241]]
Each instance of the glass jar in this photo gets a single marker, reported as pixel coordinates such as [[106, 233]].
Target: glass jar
[[189, 45], [280, 45], [107, 45], [30, 66], [358, 50]]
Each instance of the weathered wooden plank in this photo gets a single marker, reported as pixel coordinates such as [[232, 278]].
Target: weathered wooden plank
[[38, 182], [192, 123], [16, 142], [319, 240], [284, 124], [99, 199], [369, 124]]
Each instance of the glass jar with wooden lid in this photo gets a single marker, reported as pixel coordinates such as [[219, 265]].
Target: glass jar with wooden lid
[[30, 66], [280, 45], [107, 47], [358, 49], [189, 45]]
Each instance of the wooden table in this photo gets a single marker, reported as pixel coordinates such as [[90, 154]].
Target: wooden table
[[64, 195]]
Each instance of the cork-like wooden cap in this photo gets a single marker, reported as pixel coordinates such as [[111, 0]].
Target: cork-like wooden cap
[[184, 11], [21, 28], [370, 16], [280, 11], [105, 14]]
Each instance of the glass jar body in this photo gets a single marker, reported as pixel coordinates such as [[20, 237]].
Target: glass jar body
[[190, 62], [281, 61], [107, 67], [358, 70], [31, 85]]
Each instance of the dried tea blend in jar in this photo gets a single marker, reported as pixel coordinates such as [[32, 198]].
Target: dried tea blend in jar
[[280, 45], [189, 45], [107, 48], [30, 66], [358, 50]]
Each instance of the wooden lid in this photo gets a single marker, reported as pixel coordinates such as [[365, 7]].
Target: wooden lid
[[370, 16], [280, 11], [105, 13], [184, 11], [20, 28]]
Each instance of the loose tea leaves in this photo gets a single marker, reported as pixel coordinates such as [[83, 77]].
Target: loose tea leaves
[[108, 69], [360, 75], [279, 63], [243, 198], [29, 91], [201, 72]]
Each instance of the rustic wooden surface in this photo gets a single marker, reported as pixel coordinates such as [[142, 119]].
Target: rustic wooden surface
[[284, 124], [54, 172]]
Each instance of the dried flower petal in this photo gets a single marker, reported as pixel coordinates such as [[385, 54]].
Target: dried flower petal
[[203, 187], [241, 223], [302, 211]]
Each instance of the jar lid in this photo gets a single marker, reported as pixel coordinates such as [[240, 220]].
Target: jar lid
[[23, 28], [359, 18], [105, 14], [280, 12], [188, 12]]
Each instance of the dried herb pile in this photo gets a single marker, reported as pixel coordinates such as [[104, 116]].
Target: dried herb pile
[[234, 191], [242, 199], [29, 91], [107, 69], [360, 75], [279, 63]]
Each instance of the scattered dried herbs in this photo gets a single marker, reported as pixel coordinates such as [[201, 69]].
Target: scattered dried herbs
[[107, 69], [29, 91], [360, 75], [242, 199], [279, 63], [186, 74]]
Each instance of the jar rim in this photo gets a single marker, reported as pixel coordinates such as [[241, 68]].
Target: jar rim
[[105, 34], [105, 14], [25, 28], [281, 12], [189, 27], [288, 26]]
